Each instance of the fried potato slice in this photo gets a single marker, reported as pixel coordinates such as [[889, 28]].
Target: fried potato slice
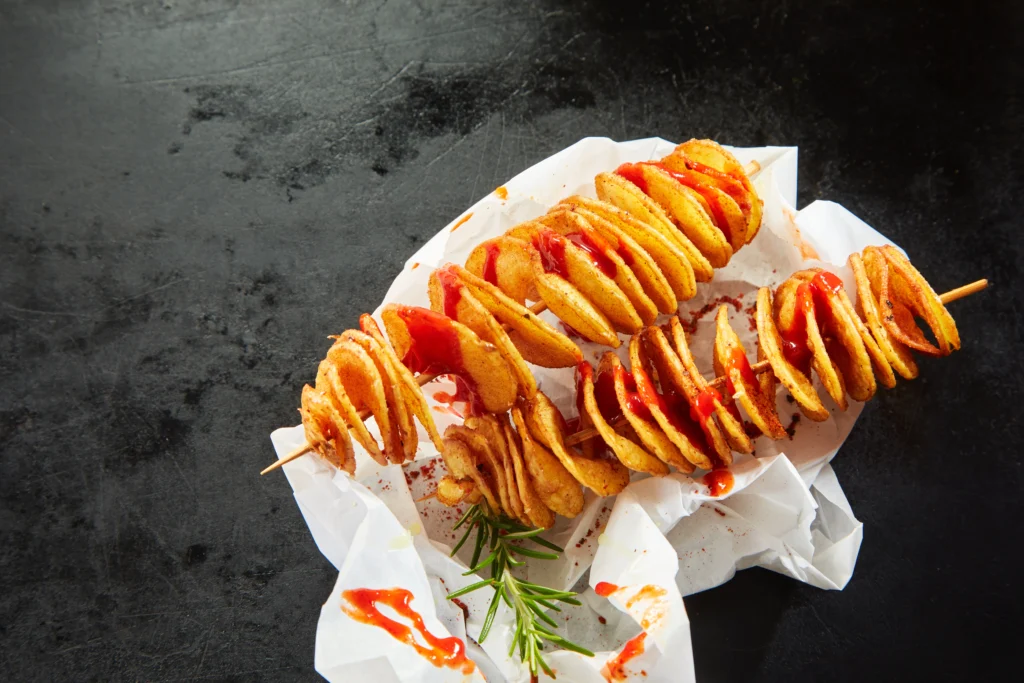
[[684, 433], [463, 463], [908, 295], [629, 454], [572, 307], [428, 342], [666, 254], [883, 371], [329, 381], [719, 204], [554, 484], [505, 263], [537, 513], [404, 432], [615, 189], [486, 457], [796, 382], [643, 265], [604, 477], [730, 361], [326, 432], [710, 158], [561, 257], [407, 386], [537, 341], [684, 206], [490, 427], [728, 416], [681, 392], [898, 356], [639, 417], [795, 308], [363, 383], [452, 492], [449, 296], [604, 256]]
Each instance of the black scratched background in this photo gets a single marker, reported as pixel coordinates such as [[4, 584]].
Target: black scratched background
[[194, 194]]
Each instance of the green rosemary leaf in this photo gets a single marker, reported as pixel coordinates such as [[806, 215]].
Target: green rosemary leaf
[[465, 516], [476, 568], [529, 533], [470, 588], [547, 544], [540, 613], [489, 619], [529, 552]]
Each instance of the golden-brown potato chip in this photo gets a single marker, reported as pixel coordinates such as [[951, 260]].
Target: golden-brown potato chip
[[554, 484], [684, 206], [898, 356], [719, 204], [486, 458], [537, 341], [708, 398], [681, 393], [449, 296], [404, 430], [711, 159], [326, 432], [572, 307], [883, 371], [636, 412], [452, 492], [329, 381], [643, 265], [629, 454], [603, 476], [537, 513], [792, 377], [463, 463], [908, 295], [800, 320], [407, 385], [428, 342], [604, 256], [616, 190], [561, 257], [684, 433], [731, 362], [666, 254], [505, 263], [364, 384]]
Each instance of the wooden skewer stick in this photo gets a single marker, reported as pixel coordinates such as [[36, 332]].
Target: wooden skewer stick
[[961, 292]]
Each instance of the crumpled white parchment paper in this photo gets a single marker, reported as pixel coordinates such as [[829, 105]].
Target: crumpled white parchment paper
[[657, 541]]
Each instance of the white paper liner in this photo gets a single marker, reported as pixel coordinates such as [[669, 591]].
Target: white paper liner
[[661, 538]]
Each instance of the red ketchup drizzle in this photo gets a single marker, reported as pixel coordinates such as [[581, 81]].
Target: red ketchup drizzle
[[451, 292], [811, 299], [737, 360], [720, 481], [634, 404], [607, 400], [615, 669], [442, 652], [690, 179], [435, 350], [551, 246], [725, 182], [704, 405], [672, 409], [634, 174], [604, 589], [491, 263], [597, 251], [627, 255]]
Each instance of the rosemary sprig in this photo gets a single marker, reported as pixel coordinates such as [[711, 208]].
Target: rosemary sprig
[[501, 537]]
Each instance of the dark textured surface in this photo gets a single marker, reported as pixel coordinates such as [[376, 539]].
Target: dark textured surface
[[193, 195]]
